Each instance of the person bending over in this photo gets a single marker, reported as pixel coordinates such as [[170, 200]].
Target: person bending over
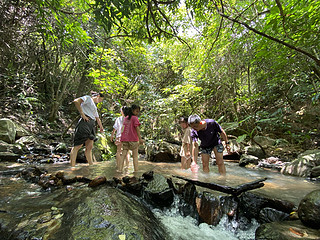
[[209, 132], [85, 131]]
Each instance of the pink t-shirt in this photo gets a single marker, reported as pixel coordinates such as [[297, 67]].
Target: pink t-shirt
[[129, 133]]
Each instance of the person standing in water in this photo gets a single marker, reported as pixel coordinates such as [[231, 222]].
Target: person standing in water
[[117, 127], [186, 148], [208, 131], [130, 136], [85, 131]]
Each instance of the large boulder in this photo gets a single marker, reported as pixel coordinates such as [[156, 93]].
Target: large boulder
[[303, 164], [7, 130], [287, 230], [309, 209], [79, 213], [162, 151], [109, 214]]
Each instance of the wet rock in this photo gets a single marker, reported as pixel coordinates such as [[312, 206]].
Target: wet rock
[[272, 163], [247, 159], [251, 205], [61, 148], [188, 205], [229, 206], [97, 181], [20, 131], [254, 151], [303, 164], [315, 172], [47, 160], [13, 148], [162, 151], [26, 140], [264, 141], [8, 156], [41, 149], [107, 213], [7, 130], [158, 191], [133, 186], [287, 230], [209, 208], [309, 209], [268, 215], [148, 175]]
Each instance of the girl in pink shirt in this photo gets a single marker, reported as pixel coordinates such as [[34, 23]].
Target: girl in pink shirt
[[130, 136]]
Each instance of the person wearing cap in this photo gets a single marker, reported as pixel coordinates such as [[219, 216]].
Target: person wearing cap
[[85, 131], [210, 133], [186, 148]]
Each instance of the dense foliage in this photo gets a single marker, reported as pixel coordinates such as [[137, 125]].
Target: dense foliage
[[255, 63]]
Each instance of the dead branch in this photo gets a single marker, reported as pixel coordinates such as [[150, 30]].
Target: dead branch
[[235, 191]]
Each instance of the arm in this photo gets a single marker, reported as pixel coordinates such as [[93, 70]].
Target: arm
[[139, 136], [100, 124], [187, 147], [225, 139], [112, 135], [77, 103]]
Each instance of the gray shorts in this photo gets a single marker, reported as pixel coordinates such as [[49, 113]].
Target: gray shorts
[[208, 150]]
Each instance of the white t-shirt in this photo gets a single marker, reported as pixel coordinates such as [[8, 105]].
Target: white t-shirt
[[118, 126], [89, 108]]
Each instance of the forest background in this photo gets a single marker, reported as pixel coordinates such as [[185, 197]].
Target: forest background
[[252, 64]]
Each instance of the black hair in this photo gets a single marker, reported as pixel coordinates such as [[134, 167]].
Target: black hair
[[125, 110], [183, 119], [133, 107], [94, 94]]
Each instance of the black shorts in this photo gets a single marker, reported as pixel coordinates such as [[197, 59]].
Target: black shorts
[[208, 150], [84, 131]]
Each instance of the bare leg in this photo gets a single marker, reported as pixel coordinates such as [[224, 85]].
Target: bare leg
[[195, 152], [188, 162], [88, 151], [183, 162], [73, 154], [118, 155], [127, 159], [123, 155], [135, 155], [220, 162], [205, 162]]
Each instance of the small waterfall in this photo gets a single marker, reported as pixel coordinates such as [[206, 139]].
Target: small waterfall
[[185, 228]]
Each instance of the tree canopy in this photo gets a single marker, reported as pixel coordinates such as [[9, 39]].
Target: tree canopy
[[255, 63]]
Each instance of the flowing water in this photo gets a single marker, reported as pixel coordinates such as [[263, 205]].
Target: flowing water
[[277, 185]]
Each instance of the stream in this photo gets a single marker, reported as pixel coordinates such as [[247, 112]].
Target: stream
[[16, 191]]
